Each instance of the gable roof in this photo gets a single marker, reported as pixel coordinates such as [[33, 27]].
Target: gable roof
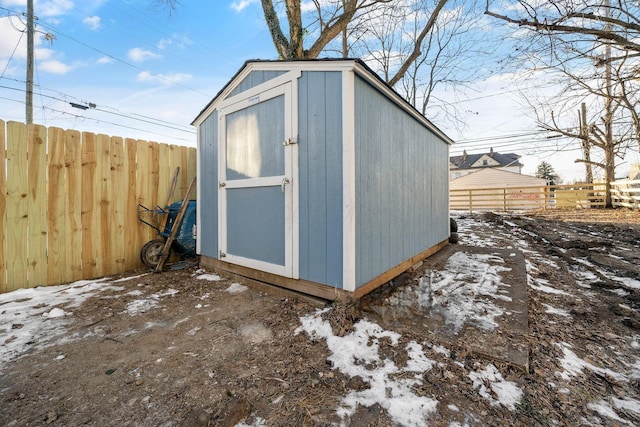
[[466, 161], [323, 64]]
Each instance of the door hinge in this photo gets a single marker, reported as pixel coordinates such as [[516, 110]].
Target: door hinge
[[222, 184], [222, 254]]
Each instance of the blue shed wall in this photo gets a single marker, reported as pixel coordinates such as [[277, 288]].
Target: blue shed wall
[[320, 176], [401, 185], [255, 78], [208, 201]]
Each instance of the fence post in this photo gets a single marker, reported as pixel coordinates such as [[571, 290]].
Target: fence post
[[3, 207], [504, 199]]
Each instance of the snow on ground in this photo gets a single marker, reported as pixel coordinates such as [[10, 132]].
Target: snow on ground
[[34, 318], [465, 291], [357, 354], [490, 383], [236, 288]]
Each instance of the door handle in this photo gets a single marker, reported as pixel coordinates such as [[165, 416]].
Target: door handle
[[285, 181]]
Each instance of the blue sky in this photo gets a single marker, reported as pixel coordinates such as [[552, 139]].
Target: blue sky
[[129, 58], [149, 72]]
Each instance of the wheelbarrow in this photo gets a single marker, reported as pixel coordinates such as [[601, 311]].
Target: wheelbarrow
[[164, 220]]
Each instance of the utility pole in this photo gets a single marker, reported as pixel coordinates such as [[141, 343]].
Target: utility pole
[[609, 172], [29, 90], [586, 146]]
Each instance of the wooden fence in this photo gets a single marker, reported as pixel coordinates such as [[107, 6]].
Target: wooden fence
[[569, 196], [626, 194], [69, 201]]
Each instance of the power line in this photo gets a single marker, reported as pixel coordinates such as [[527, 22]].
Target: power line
[[499, 137], [122, 61], [120, 125], [143, 118]]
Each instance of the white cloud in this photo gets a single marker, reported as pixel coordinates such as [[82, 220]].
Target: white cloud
[[54, 67], [140, 55], [146, 76], [10, 38], [44, 54], [93, 22], [54, 7], [177, 40], [105, 60], [240, 5]]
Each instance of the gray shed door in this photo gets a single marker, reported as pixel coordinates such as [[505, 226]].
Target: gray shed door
[[255, 181]]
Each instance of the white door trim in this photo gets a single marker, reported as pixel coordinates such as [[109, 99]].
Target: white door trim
[[280, 86]]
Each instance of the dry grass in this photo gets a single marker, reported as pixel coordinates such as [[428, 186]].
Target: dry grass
[[610, 216]]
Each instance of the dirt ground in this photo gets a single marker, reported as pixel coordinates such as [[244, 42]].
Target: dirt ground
[[204, 356]]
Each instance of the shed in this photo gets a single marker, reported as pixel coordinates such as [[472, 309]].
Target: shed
[[316, 176]]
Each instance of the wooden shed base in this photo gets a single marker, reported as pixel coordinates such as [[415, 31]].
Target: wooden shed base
[[307, 289]]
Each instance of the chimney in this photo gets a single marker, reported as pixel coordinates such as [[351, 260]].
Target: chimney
[[491, 152], [464, 155]]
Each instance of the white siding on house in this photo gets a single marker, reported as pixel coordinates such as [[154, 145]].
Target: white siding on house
[[458, 173], [495, 178]]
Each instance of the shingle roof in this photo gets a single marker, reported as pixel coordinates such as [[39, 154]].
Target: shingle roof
[[466, 160]]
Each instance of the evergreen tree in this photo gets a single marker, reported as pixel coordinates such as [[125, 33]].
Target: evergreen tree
[[545, 171]]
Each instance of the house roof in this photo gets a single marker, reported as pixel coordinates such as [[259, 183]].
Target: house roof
[[357, 65], [467, 161]]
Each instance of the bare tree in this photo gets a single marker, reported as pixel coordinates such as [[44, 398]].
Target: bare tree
[[614, 22], [450, 58], [593, 46], [309, 33]]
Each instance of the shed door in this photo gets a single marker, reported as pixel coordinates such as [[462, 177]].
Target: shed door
[[256, 181]]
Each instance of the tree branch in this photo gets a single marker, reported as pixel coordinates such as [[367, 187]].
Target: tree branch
[[623, 42], [417, 46]]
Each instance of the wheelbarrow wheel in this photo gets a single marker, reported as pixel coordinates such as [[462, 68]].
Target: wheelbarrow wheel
[[151, 252]]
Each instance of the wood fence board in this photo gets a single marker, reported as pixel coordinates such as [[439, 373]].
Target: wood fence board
[[184, 166], [58, 227], [131, 223], [68, 202], [3, 207], [73, 164], [192, 166], [105, 263], [165, 174], [37, 177], [119, 190], [144, 187], [89, 216], [17, 206], [153, 170], [182, 184]]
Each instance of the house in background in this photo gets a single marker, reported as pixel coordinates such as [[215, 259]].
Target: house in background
[[318, 177], [467, 163]]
